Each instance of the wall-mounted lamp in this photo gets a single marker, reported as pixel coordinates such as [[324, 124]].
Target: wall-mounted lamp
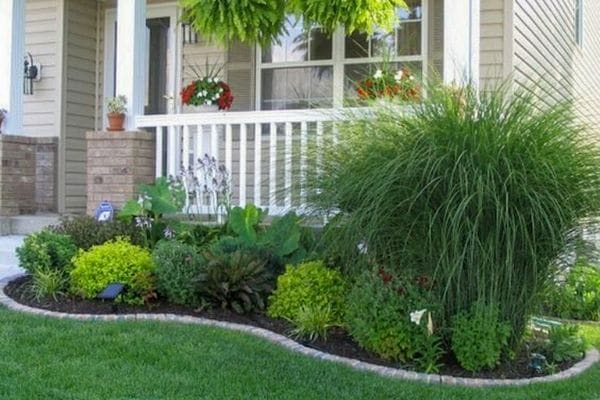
[[32, 72]]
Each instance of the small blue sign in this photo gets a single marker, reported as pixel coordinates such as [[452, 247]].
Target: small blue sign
[[105, 212]]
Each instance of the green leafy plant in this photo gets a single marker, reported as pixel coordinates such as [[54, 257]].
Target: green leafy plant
[[114, 262], [312, 322], [86, 232], [236, 281], [310, 285], [155, 201], [262, 21], [199, 235], [578, 297], [385, 314], [479, 189], [354, 15], [46, 250], [564, 344], [282, 238], [479, 337], [177, 267], [259, 21], [47, 284]]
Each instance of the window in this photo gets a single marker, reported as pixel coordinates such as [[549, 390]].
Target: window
[[311, 70], [579, 22]]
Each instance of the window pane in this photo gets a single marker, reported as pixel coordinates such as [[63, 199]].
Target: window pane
[[408, 36], [293, 88], [382, 44], [414, 11], [320, 45], [356, 72], [292, 46], [357, 45]]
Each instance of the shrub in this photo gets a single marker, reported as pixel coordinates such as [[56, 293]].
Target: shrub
[[564, 344], [114, 262], [480, 190], [578, 297], [46, 250], [177, 268], [236, 281], [378, 316], [310, 285], [86, 232], [479, 337]]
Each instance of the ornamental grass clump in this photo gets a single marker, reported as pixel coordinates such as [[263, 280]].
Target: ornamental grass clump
[[479, 190]]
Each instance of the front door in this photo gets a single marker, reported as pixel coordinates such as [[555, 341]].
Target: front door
[[161, 60]]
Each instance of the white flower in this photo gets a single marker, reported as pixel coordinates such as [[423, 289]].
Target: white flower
[[429, 325], [378, 74], [220, 90], [399, 75], [362, 247], [412, 78], [416, 316], [208, 103]]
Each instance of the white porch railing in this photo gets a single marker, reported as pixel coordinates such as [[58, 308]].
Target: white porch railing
[[265, 152]]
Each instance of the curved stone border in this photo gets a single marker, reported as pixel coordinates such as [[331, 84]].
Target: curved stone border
[[592, 356]]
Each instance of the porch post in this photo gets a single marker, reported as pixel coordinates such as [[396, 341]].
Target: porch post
[[461, 41], [131, 68], [12, 47]]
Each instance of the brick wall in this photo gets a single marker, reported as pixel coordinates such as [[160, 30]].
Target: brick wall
[[28, 175], [117, 163]]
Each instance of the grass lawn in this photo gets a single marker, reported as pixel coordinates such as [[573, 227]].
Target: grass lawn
[[52, 359]]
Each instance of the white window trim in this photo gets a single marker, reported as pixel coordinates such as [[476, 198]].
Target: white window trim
[[338, 61]]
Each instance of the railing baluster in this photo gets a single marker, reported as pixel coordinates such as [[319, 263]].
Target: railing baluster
[[319, 145], [185, 162], [272, 164], [172, 149], [243, 145], [200, 150], [228, 147], [159, 151], [288, 165], [303, 160], [257, 163], [214, 141]]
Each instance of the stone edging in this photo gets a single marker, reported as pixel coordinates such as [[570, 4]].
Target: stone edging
[[592, 356]]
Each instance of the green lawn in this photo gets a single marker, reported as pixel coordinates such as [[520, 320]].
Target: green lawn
[[52, 359]]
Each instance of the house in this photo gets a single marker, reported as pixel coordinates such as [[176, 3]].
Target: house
[[55, 156]]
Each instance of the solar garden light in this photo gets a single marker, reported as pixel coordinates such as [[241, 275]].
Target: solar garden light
[[111, 292], [537, 362]]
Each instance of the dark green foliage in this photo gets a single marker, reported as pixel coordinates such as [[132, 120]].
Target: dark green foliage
[[46, 250], [178, 266], [578, 297], [236, 281], [564, 344], [481, 190], [311, 286], [198, 235], [86, 232], [479, 337], [378, 316]]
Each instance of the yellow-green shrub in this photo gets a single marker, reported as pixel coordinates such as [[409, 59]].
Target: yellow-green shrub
[[113, 262], [310, 285]]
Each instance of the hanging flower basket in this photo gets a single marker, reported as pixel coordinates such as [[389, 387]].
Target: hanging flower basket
[[208, 93]]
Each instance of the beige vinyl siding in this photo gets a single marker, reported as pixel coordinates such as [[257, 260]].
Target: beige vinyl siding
[[545, 48], [436, 38], [587, 59], [492, 45], [80, 102], [39, 114]]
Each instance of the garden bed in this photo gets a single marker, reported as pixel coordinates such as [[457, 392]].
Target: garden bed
[[338, 341]]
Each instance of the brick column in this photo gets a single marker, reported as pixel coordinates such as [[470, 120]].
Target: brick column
[[17, 175], [117, 163]]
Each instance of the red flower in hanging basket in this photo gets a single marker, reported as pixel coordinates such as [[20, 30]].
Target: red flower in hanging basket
[[207, 91]]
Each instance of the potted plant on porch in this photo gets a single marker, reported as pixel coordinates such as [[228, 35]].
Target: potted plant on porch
[[207, 94], [116, 107]]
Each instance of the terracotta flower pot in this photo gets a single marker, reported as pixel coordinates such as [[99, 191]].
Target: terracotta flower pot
[[116, 121]]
